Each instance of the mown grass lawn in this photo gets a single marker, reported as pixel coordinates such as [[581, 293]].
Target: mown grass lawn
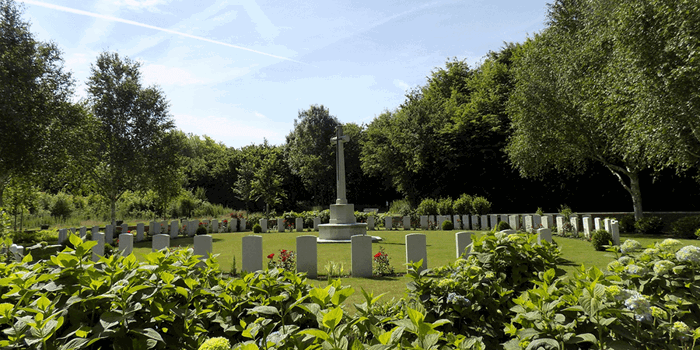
[[441, 251]]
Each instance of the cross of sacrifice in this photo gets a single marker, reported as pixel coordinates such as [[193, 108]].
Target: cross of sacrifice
[[339, 139]]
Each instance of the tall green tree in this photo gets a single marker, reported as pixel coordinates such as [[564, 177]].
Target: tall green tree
[[309, 152], [37, 116], [567, 109], [131, 122]]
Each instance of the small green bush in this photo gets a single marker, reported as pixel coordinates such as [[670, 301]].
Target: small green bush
[[651, 225], [481, 205], [201, 230], [400, 206], [463, 204], [627, 223], [62, 206], [697, 233], [444, 206], [428, 206], [503, 226], [686, 227], [600, 239], [257, 228], [447, 225]]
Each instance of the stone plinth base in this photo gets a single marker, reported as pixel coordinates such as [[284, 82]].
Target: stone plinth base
[[343, 214]]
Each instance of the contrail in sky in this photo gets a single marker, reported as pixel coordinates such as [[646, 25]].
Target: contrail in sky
[[115, 19]]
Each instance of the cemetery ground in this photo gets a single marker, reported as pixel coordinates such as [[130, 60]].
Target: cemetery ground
[[440, 248]]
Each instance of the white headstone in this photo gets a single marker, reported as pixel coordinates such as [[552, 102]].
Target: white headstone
[[529, 226], [370, 222], [493, 221], [215, 226], [174, 229], [544, 234], [83, 232], [242, 225], [484, 220], [153, 229], [126, 243], [139, 232], [463, 241], [465, 222], [299, 224], [160, 242], [432, 220], [424, 222], [263, 225], [560, 224], [109, 234], [192, 227], [307, 256], [98, 249], [62, 235], [574, 224], [615, 232], [317, 221], [548, 221], [607, 225], [203, 245], [416, 249], [514, 222], [440, 220], [95, 229], [597, 222], [280, 225], [476, 225], [388, 222], [587, 226], [536, 222], [233, 225], [406, 222], [505, 218], [252, 253], [361, 256], [125, 228]]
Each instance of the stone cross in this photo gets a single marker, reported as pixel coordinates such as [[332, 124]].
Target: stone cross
[[338, 140]]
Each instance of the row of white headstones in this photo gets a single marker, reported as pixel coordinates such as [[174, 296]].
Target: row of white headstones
[[173, 230], [306, 250]]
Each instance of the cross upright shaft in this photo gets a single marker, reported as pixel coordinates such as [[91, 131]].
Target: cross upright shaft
[[339, 139]]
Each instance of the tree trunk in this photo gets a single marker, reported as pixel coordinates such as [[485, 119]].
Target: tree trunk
[[113, 207], [633, 188], [636, 193]]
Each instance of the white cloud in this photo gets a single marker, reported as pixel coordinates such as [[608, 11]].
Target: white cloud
[[239, 130], [401, 84], [164, 75], [149, 5]]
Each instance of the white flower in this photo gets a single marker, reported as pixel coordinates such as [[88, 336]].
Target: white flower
[[635, 269], [630, 246], [625, 260], [640, 305], [670, 243], [663, 266], [689, 253]]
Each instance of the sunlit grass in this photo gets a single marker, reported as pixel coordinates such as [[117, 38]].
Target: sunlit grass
[[440, 246]]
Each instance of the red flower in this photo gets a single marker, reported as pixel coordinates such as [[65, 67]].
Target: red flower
[[200, 224], [378, 255], [225, 221], [284, 251], [271, 256], [128, 231], [284, 258]]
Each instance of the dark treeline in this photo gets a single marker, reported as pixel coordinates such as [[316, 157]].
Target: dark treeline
[[508, 129]]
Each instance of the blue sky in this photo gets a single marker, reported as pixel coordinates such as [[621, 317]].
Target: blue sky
[[239, 71]]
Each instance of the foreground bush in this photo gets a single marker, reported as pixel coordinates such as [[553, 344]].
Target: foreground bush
[[474, 293], [686, 227]]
